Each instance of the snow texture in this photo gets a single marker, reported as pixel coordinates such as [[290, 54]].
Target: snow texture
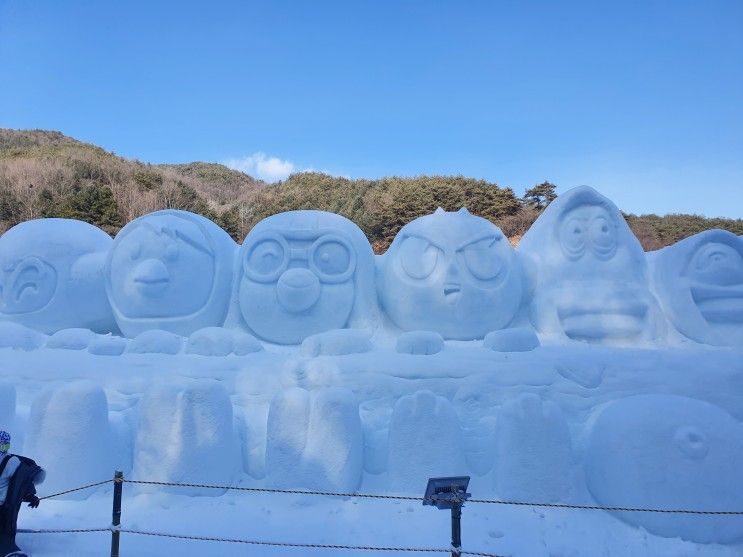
[[425, 440], [7, 405], [69, 433], [699, 282], [452, 273], [107, 345], [518, 339], [301, 273], [591, 279], [51, 274], [196, 419], [155, 342], [419, 343], [669, 452], [19, 337], [170, 270], [336, 343], [71, 339], [533, 460], [315, 440]]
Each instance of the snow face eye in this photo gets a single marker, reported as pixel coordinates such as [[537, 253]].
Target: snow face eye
[[603, 237], [331, 258], [482, 260], [171, 252], [720, 264], [573, 238], [418, 257], [266, 259]]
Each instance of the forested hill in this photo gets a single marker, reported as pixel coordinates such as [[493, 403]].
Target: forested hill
[[47, 174]]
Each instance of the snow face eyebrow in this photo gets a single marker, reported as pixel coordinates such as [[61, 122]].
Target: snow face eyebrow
[[489, 235], [425, 239]]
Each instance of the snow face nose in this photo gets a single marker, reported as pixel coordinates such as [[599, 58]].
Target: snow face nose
[[151, 277], [298, 290]]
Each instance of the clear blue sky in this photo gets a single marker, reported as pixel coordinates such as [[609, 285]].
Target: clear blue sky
[[642, 100]]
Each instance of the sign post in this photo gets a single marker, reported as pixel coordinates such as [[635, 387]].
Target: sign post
[[449, 493]]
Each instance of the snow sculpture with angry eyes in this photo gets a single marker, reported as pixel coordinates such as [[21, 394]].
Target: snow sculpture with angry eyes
[[452, 273], [302, 273]]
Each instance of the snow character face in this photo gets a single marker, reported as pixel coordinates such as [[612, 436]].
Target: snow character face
[[301, 273], [51, 276], [699, 282], [453, 273], [591, 273], [676, 453], [170, 270]]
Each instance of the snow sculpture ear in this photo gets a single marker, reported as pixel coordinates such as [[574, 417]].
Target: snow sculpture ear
[[438, 211]]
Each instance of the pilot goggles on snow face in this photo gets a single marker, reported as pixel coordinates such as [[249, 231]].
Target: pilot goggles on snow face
[[4, 448], [330, 256]]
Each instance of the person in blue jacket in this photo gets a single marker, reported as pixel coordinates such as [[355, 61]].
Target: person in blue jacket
[[18, 476]]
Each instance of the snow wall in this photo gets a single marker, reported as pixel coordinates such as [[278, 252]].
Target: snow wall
[[575, 368]]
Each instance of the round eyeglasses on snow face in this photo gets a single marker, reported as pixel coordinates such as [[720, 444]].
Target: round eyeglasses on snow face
[[330, 257]]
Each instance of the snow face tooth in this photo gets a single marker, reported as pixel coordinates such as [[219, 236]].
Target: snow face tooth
[[425, 439], [69, 435], [533, 459], [196, 419], [315, 440]]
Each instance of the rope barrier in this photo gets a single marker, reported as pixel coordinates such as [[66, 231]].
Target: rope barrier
[[61, 531], [88, 486], [413, 498], [304, 545]]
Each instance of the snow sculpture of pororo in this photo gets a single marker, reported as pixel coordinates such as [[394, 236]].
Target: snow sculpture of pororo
[[591, 273], [699, 282], [170, 270], [301, 273], [51, 276], [453, 273]]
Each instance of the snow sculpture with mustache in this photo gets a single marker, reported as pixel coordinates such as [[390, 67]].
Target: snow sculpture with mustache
[[170, 270], [51, 276], [452, 273], [301, 273], [591, 273], [699, 282]]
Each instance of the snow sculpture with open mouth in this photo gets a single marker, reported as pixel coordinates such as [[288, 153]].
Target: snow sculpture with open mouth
[[452, 273], [699, 282], [301, 273], [51, 276], [170, 270], [591, 273]]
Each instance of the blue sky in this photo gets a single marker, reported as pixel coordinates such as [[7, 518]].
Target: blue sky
[[642, 100]]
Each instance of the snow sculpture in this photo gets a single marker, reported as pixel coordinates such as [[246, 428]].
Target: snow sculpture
[[71, 339], [425, 440], [699, 282], [69, 433], [337, 342], [669, 452], [51, 276], [217, 341], [315, 440], [170, 270], [7, 405], [518, 339], [419, 343], [302, 273], [18, 337], [155, 342], [195, 416], [591, 275], [452, 273], [533, 460]]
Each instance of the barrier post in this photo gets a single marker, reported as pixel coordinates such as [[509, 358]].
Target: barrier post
[[449, 493], [116, 513], [456, 530]]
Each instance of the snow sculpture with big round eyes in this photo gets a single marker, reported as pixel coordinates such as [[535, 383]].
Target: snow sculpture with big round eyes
[[452, 273], [303, 273], [591, 281], [699, 282]]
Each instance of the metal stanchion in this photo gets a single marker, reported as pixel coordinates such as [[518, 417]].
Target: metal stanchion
[[449, 493], [116, 513]]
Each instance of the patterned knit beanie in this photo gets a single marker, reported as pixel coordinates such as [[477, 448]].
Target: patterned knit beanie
[[4, 441]]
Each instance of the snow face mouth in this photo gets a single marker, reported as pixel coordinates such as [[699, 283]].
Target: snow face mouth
[[719, 304], [452, 293], [593, 322]]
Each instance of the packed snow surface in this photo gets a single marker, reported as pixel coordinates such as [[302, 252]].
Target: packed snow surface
[[574, 369]]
